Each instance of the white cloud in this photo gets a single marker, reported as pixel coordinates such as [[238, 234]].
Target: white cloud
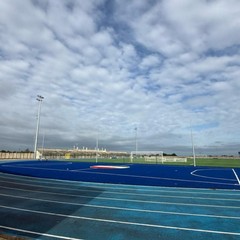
[[154, 64], [150, 61]]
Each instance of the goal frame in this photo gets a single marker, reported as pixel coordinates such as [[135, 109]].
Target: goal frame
[[147, 153]]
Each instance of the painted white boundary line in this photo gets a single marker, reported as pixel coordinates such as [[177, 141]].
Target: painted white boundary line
[[124, 193], [128, 223], [38, 233], [130, 200], [123, 175], [211, 169], [127, 187], [236, 176], [123, 209]]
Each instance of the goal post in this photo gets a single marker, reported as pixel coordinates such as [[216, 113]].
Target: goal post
[[155, 157], [147, 156]]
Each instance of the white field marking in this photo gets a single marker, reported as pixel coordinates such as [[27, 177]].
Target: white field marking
[[202, 176], [127, 223], [131, 187], [38, 233], [36, 168], [236, 176], [128, 200], [121, 208], [126, 175], [37, 164], [157, 178], [128, 194], [81, 169]]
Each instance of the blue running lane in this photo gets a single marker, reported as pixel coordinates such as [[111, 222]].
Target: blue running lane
[[38, 208]]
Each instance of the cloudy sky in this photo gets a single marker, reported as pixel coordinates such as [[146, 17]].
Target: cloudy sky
[[107, 67]]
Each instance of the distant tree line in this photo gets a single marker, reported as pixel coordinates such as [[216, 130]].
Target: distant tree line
[[20, 151], [173, 154]]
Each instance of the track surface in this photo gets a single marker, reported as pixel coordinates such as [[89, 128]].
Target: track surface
[[40, 208]]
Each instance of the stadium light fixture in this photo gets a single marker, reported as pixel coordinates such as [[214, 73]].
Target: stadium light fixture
[[39, 99]]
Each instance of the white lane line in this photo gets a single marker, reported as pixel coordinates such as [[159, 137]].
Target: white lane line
[[136, 200], [38, 233], [128, 222], [106, 186], [124, 193], [121, 208], [125, 175], [236, 176], [132, 200]]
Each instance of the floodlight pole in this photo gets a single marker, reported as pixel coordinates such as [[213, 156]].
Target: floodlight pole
[[97, 148], [136, 143], [43, 143], [39, 99], [193, 148]]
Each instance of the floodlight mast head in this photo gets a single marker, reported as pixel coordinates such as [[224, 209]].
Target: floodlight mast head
[[39, 99]]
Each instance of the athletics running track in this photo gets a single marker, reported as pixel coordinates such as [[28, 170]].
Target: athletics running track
[[43, 208]]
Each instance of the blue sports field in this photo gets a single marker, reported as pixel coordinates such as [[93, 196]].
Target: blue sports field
[[134, 174], [67, 200]]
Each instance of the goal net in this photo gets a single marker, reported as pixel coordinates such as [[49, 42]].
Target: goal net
[[147, 156]]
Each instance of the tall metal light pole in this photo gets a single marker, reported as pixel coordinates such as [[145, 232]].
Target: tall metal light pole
[[136, 140], [97, 140], [43, 143], [193, 148], [39, 99]]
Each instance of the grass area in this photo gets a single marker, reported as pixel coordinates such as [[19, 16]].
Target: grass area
[[214, 162], [218, 162]]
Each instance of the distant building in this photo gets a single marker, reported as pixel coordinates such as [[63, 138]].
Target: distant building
[[75, 153]]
